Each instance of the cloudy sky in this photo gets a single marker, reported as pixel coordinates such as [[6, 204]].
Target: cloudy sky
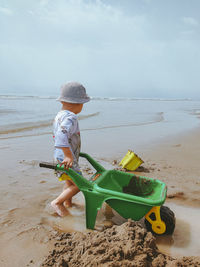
[[136, 48]]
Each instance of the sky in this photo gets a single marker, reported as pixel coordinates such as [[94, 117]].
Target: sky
[[119, 48]]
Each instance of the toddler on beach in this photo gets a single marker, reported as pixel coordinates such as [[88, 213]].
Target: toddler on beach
[[67, 140]]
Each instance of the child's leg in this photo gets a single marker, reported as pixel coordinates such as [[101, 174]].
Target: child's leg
[[67, 184], [67, 194], [68, 202]]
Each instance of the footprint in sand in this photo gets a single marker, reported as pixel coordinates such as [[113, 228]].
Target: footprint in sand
[[178, 145]]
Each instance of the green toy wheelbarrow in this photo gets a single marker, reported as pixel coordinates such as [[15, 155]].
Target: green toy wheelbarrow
[[130, 195]]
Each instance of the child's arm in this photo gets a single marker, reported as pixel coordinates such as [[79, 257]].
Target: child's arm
[[68, 159]]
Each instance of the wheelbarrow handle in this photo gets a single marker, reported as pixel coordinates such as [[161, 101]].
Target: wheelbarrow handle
[[48, 165], [78, 179], [93, 162]]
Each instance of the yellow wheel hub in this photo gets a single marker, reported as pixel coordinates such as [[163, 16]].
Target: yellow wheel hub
[[158, 226]]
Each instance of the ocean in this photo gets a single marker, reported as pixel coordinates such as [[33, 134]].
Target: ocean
[[108, 125]]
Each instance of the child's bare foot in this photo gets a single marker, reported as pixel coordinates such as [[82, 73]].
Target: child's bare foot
[[60, 209]]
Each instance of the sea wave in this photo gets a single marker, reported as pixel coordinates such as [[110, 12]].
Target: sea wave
[[82, 117], [99, 98], [26, 126], [29, 126], [158, 118], [7, 111], [13, 97], [25, 135], [140, 99], [195, 112]]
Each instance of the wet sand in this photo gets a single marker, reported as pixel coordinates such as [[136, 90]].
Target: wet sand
[[28, 223], [176, 162]]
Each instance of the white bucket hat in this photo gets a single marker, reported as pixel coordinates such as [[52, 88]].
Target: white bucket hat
[[73, 92]]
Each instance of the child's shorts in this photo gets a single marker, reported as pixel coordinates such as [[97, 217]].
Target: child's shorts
[[62, 176]]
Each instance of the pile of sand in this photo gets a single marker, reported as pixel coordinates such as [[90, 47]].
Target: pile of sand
[[126, 245]]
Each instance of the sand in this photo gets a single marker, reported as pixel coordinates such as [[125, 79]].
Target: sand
[[30, 231], [126, 245], [176, 162]]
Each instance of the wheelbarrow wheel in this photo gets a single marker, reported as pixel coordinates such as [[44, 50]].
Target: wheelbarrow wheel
[[167, 216]]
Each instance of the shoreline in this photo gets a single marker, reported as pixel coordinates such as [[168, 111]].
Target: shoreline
[[26, 220]]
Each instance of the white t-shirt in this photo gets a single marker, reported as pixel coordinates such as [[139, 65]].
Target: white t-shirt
[[67, 134]]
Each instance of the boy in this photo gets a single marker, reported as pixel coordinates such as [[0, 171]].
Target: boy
[[67, 140]]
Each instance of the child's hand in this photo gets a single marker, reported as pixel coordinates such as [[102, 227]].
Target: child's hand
[[67, 162], [68, 159]]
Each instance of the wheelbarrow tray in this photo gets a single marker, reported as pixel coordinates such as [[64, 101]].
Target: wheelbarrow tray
[[112, 182]]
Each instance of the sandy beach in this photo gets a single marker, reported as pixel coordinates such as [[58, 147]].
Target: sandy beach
[[29, 225], [123, 76]]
